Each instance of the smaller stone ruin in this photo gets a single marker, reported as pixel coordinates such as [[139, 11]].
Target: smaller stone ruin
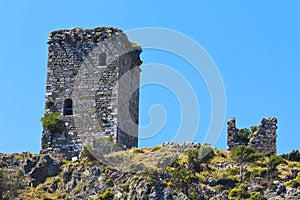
[[263, 140]]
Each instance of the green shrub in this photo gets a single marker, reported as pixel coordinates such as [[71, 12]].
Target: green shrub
[[190, 178], [197, 156], [206, 153], [272, 163], [108, 181], [169, 184], [258, 172], [238, 192], [257, 196], [136, 150], [293, 184], [292, 156], [53, 121], [253, 129], [244, 135], [108, 194], [232, 171], [86, 153], [242, 154], [156, 148], [12, 181], [110, 139]]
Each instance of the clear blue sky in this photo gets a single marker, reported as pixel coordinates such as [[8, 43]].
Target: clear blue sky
[[255, 45]]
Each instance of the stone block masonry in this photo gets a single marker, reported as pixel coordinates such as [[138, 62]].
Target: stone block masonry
[[263, 140], [84, 68], [232, 135]]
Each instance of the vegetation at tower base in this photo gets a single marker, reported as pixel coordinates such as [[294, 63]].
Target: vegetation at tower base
[[53, 121], [267, 176]]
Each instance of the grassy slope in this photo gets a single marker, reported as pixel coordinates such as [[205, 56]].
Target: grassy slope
[[220, 173]]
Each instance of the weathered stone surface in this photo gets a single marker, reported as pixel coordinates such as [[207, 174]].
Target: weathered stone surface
[[46, 167], [35, 167], [84, 70], [184, 145], [279, 191], [232, 131], [263, 140]]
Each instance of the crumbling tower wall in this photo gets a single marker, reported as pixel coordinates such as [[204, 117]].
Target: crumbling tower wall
[[263, 140], [232, 134], [84, 69]]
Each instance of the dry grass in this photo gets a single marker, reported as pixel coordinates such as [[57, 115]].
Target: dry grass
[[144, 159]]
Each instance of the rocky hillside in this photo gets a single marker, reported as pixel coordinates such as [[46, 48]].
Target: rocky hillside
[[168, 171]]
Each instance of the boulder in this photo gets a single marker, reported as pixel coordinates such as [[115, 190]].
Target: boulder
[[46, 167]]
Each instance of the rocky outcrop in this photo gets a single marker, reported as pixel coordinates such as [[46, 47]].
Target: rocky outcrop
[[36, 168], [182, 146], [85, 182], [28, 176], [44, 168], [278, 191]]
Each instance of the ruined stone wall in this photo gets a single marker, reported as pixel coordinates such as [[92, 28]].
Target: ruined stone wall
[[128, 95], [263, 140], [84, 66], [232, 132]]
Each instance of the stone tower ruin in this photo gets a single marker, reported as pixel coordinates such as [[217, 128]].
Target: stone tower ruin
[[93, 88], [263, 140]]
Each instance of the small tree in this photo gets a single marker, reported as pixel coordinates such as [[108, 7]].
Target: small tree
[[193, 159], [253, 130], [242, 154], [206, 153], [197, 156], [272, 162], [243, 136]]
